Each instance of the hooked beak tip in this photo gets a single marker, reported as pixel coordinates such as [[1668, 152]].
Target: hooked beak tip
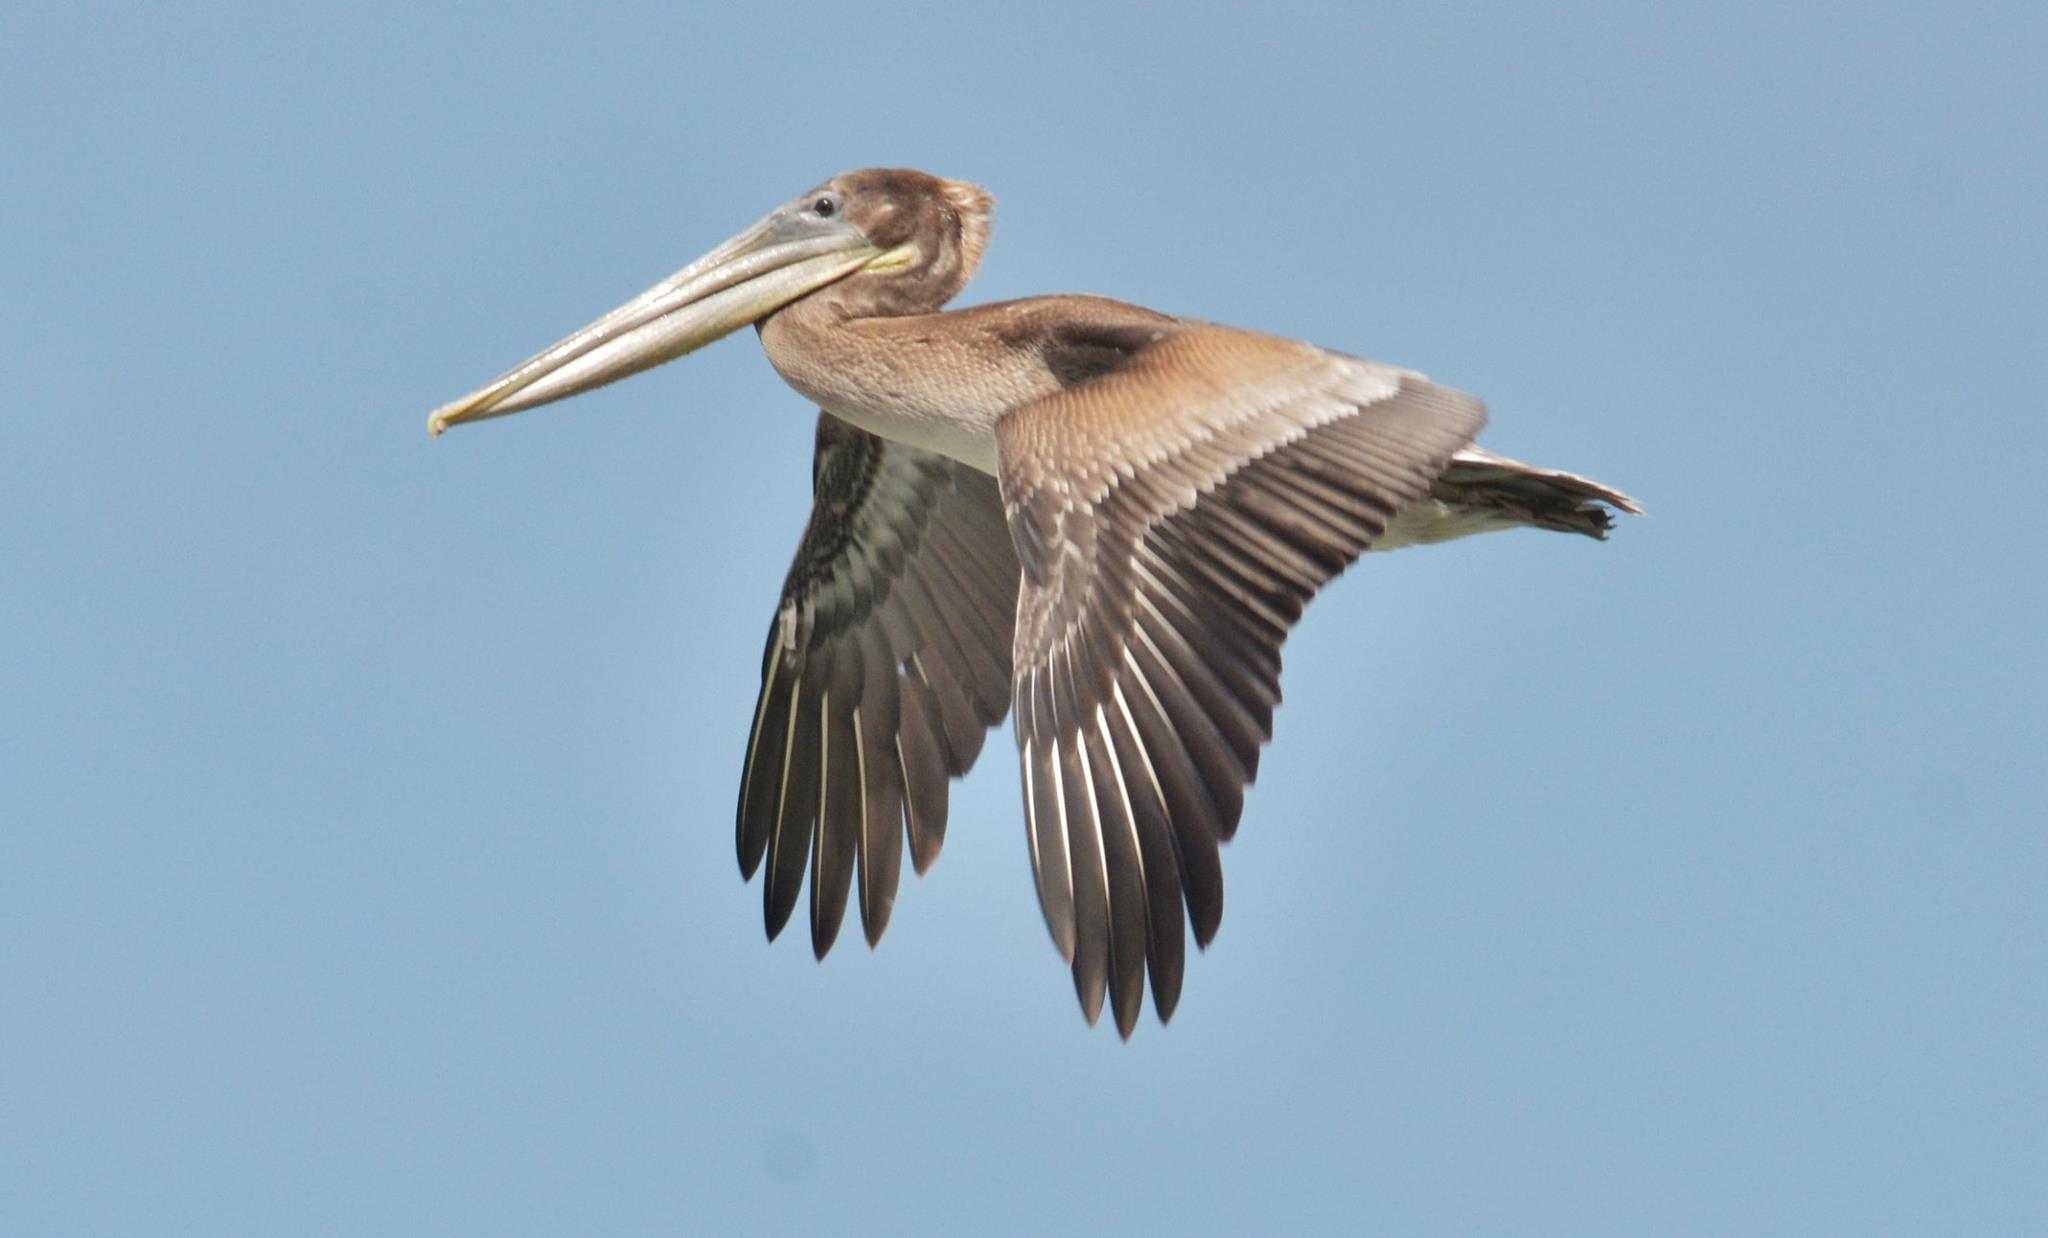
[[447, 415], [489, 401]]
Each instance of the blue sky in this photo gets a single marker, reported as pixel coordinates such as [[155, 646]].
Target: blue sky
[[365, 801]]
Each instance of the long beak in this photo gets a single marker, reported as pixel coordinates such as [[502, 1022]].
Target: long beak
[[744, 280]]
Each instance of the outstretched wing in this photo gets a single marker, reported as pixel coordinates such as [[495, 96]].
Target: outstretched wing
[[887, 663], [1173, 516]]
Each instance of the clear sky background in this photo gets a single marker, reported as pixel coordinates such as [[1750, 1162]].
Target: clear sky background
[[365, 801]]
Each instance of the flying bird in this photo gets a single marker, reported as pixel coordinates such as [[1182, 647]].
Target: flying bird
[[1105, 517]]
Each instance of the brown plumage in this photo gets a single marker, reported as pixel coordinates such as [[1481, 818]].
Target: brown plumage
[[1109, 515]]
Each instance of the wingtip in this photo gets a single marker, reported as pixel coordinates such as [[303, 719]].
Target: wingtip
[[872, 928], [1091, 1003], [775, 916], [1127, 1022], [1062, 933], [824, 932], [1165, 1003]]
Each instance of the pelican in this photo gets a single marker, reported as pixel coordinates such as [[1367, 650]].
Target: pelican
[[1105, 516]]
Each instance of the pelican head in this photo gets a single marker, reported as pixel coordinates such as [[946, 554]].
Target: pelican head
[[891, 240]]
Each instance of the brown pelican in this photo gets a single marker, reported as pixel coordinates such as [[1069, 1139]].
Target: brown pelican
[[1109, 515]]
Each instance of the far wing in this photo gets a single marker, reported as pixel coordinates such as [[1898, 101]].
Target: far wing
[[887, 662]]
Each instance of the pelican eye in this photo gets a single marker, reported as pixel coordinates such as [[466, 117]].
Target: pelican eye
[[824, 208]]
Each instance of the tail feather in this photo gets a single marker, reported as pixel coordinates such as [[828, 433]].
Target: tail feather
[[1481, 490]]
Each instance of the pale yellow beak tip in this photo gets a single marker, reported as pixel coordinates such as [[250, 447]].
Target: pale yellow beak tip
[[449, 415]]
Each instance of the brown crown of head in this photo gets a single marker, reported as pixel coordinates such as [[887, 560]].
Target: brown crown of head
[[946, 221]]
